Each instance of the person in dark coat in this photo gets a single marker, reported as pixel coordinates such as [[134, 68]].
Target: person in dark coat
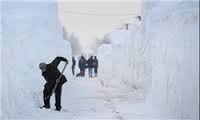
[[90, 65], [82, 66], [73, 65], [51, 73], [95, 64]]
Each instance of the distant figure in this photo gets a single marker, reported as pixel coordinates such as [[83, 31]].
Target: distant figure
[[95, 64], [82, 66], [90, 65], [73, 65], [139, 18], [51, 74]]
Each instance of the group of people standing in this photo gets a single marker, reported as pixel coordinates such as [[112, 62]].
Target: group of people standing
[[91, 64]]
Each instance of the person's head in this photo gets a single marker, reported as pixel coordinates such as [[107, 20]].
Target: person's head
[[72, 58], [43, 66], [95, 57]]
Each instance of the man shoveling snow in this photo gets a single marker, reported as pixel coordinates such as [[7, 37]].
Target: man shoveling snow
[[54, 81]]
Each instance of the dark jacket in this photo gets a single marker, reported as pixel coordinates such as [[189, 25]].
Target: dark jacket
[[52, 73], [82, 63], [90, 62], [95, 63]]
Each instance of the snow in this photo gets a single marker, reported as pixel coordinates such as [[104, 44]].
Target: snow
[[176, 63], [30, 37], [150, 71], [105, 63], [159, 62]]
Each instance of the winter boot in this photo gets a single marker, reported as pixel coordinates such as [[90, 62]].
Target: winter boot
[[58, 108], [45, 106]]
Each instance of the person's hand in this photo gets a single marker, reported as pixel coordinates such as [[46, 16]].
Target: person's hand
[[66, 61]]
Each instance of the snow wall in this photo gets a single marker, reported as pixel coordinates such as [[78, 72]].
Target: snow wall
[[160, 56], [172, 32], [31, 34], [0, 59]]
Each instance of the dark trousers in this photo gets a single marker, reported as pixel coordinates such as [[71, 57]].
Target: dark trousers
[[73, 67], [95, 70], [82, 71], [47, 92], [90, 72]]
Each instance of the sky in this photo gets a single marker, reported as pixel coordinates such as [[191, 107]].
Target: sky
[[91, 20]]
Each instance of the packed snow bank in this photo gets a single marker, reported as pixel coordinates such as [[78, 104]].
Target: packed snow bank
[[105, 63], [160, 55], [172, 32], [74, 42], [129, 67], [31, 34], [0, 59]]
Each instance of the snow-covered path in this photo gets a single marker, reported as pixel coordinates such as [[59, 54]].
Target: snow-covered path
[[87, 98], [84, 98], [158, 56]]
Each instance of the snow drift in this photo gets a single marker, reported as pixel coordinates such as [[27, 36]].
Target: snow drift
[[172, 32], [159, 56], [31, 34]]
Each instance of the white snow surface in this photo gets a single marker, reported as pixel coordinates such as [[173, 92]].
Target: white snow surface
[[172, 33], [159, 58], [149, 72], [31, 34]]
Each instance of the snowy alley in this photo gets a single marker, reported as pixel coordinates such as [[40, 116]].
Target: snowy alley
[[148, 68]]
